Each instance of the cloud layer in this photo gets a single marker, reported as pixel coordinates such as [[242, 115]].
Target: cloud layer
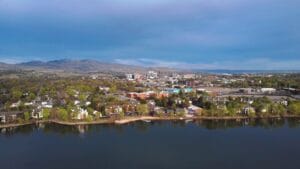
[[258, 64], [213, 33]]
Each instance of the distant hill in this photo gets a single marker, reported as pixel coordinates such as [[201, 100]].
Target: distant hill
[[78, 66], [81, 66], [5, 66], [90, 66]]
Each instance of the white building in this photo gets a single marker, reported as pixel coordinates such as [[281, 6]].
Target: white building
[[87, 103], [132, 77], [28, 104], [82, 114], [48, 105], [105, 89], [37, 113], [14, 105], [2, 118], [189, 76], [76, 102], [129, 76], [152, 75], [268, 90], [192, 109], [201, 90]]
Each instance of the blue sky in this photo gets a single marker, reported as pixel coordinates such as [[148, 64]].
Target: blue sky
[[199, 34]]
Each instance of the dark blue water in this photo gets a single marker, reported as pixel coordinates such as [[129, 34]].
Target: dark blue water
[[265, 144]]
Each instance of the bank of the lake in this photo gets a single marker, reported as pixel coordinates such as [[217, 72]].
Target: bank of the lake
[[125, 120]]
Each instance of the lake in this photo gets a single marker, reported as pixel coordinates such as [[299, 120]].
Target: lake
[[260, 144]]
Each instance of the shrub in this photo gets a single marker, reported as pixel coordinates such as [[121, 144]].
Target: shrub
[[26, 116]]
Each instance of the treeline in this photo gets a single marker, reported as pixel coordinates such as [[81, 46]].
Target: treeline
[[275, 81], [62, 91]]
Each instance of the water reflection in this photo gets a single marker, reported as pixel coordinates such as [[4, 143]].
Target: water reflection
[[143, 127]]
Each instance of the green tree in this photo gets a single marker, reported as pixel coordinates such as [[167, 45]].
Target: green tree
[[294, 107], [142, 109], [16, 94], [233, 107], [62, 114], [180, 113], [122, 114], [26, 116], [89, 118], [90, 110], [277, 109], [46, 114], [31, 96], [113, 89]]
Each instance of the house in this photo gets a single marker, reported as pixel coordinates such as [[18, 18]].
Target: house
[[192, 109], [248, 110], [117, 110], [178, 100], [82, 114], [159, 110], [184, 111], [76, 102], [2, 117], [14, 105], [104, 89], [47, 104], [152, 75], [37, 113], [132, 77], [97, 114], [10, 116], [284, 102], [130, 108], [114, 110], [28, 104], [151, 105], [280, 100]]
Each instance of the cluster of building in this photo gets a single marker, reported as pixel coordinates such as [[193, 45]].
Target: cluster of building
[[156, 85]]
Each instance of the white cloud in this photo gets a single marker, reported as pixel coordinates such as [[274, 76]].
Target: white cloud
[[252, 64]]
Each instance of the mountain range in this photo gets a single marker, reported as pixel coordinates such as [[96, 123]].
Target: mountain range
[[77, 66], [94, 66]]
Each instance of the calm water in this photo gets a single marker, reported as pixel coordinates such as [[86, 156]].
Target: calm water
[[160, 145]]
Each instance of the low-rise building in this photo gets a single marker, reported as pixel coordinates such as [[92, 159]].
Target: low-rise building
[[268, 90], [152, 75], [82, 114], [16, 104], [10, 116], [189, 76], [37, 113], [132, 77], [192, 109], [141, 95]]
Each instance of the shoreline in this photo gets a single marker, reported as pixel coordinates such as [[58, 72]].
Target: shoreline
[[139, 118]]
